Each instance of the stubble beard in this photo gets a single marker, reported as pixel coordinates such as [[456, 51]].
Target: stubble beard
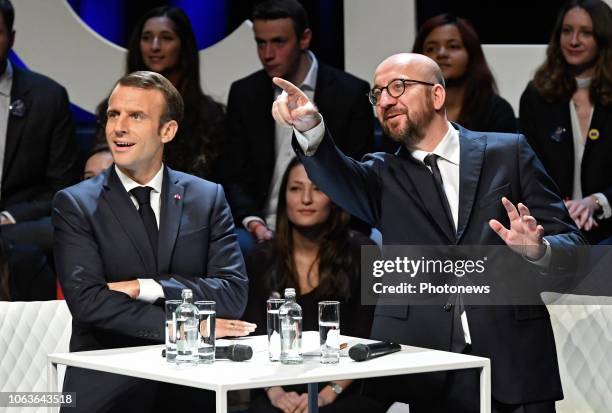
[[414, 131]]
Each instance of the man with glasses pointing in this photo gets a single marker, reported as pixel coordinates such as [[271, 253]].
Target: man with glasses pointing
[[447, 185]]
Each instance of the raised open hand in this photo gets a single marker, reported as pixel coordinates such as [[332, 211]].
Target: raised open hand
[[293, 108], [524, 235]]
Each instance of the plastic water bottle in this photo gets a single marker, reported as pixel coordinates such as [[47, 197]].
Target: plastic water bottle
[[187, 321], [290, 314]]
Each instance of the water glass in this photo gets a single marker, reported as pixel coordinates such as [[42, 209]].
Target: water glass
[[206, 343], [329, 331], [171, 336], [274, 341]]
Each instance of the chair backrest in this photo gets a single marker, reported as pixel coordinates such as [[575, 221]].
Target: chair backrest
[[29, 331], [583, 335]]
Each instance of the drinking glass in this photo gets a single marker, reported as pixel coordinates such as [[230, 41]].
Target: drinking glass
[[274, 343], [329, 331], [171, 306], [206, 343]]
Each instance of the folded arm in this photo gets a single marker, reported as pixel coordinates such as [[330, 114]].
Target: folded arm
[[81, 273]]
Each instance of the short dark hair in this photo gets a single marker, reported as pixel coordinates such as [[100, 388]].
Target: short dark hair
[[280, 9], [8, 13], [147, 80]]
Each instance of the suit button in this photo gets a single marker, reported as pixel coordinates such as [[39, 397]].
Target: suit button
[[447, 307]]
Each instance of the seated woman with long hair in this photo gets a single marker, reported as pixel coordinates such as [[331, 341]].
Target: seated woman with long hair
[[315, 253], [471, 91], [163, 42], [566, 113]]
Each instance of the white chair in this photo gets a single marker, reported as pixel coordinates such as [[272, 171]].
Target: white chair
[[582, 327], [29, 331]]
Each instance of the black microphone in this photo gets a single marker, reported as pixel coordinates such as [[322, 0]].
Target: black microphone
[[361, 352], [234, 352]]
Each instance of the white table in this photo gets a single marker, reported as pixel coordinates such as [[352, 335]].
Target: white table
[[223, 376]]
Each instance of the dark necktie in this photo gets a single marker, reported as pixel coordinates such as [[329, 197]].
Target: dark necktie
[[143, 197], [431, 160], [458, 343]]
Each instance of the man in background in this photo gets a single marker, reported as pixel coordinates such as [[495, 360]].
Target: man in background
[[260, 150], [38, 150]]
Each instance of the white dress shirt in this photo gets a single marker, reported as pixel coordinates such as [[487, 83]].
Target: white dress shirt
[[150, 290]]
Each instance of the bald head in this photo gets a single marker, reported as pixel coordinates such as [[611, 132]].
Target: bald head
[[415, 66], [410, 100]]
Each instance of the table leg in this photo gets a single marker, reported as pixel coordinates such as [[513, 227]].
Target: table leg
[[221, 398], [51, 381], [485, 388], [313, 398]]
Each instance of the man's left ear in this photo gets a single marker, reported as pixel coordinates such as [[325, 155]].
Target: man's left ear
[[11, 39], [305, 39], [438, 96], [169, 130]]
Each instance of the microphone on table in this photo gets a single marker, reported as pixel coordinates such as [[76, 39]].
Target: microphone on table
[[362, 352], [234, 352]]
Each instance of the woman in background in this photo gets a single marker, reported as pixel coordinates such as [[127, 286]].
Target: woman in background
[[315, 253], [164, 42], [471, 92], [566, 113]]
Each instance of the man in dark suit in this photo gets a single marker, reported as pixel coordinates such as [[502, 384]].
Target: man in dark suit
[[259, 151], [444, 186], [39, 152], [120, 253]]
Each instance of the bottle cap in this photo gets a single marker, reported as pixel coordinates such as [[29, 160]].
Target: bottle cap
[[186, 293], [289, 292]]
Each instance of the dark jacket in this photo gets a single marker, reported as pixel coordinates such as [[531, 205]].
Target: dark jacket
[[390, 192], [249, 165], [41, 151], [548, 129], [100, 238]]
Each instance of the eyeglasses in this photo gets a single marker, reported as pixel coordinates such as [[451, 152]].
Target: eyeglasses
[[394, 88]]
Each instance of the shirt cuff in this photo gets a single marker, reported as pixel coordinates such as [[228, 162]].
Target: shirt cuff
[[544, 260], [606, 210], [247, 220], [8, 216], [150, 290], [310, 140]]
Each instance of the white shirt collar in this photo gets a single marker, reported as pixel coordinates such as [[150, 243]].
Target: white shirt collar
[[447, 149], [310, 81], [129, 183], [6, 80]]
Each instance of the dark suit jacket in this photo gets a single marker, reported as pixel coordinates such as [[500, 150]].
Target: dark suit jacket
[[100, 238], [340, 97], [395, 193], [41, 151], [539, 120]]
